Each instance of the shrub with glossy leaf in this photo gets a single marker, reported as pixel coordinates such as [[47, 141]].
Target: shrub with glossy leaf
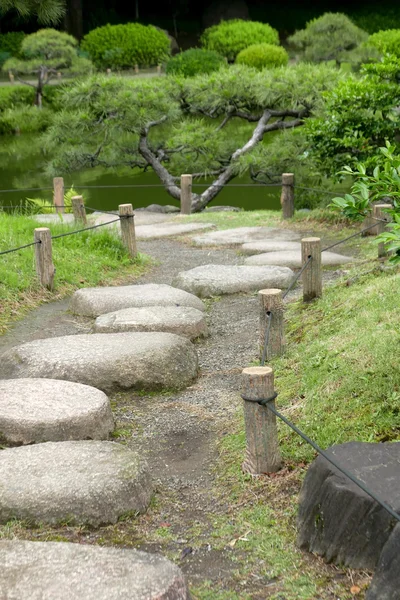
[[195, 61], [261, 56], [387, 42], [231, 37], [123, 46]]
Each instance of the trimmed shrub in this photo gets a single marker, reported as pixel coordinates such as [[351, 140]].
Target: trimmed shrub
[[260, 56], [16, 96], [123, 46], [194, 62], [231, 37], [25, 119], [10, 44], [387, 42]]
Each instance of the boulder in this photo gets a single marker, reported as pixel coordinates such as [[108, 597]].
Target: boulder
[[270, 246], [64, 571], [117, 361], [215, 280], [241, 235], [92, 302], [292, 259], [386, 582], [336, 518], [44, 410], [182, 320], [85, 482], [160, 208]]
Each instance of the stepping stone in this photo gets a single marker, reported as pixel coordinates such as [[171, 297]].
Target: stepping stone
[[91, 483], [43, 410], [336, 518], [182, 320], [241, 235], [65, 571], [214, 280], [54, 218], [92, 302], [161, 230], [293, 260], [117, 361], [269, 246]]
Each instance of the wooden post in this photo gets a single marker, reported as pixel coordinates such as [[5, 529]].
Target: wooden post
[[11, 76], [379, 213], [186, 194], [58, 196], [287, 195], [44, 258], [108, 71], [78, 208], [128, 228], [312, 274], [59, 75], [158, 69], [271, 307], [262, 449], [136, 69]]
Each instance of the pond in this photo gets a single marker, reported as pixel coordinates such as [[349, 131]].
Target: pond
[[22, 166]]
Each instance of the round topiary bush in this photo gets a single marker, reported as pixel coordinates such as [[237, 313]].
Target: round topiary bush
[[194, 62], [123, 46], [260, 56], [387, 42], [231, 37]]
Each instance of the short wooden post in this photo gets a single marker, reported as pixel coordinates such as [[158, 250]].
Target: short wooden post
[[271, 315], [262, 449], [128, 228], [59, 75], [78, 208], [11, 76], [44, 257], [108, 71], [136, 69], [287, 195], [186, 194], [312, 274], [158, 69], [58, 196]]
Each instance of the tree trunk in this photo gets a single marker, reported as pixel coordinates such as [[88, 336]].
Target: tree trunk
[[137, 10], [39, 88], [74, 19]]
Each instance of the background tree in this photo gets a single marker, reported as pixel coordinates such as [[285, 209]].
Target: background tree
[[47, 12], [206, 125], [44, 54]]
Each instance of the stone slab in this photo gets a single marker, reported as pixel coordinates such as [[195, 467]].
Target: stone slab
[[81, 482], [65, 571], [215, 280], [44, 410], [161, 230], [386, 582], [269, 246], [241, 235], [117, 361], [182, 320], [293, 260], [142, 217], [92, 302], [336, 518], [54, 218]]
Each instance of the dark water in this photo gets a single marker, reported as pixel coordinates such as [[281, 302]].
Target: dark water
[[22, 163]]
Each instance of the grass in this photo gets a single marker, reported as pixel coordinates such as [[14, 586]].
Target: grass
[[81, 260]]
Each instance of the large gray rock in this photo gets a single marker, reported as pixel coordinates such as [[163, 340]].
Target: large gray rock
[[80, 482], [49, 410], [150, 361], [214, 280], [336, 518], [161, 230], [386, 582], [92, 302], [241, 235], [269, 246], [64, 571], [292, 259], [182, 320]]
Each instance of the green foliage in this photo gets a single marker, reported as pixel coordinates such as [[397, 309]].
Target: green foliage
[[387, 42], [260, 56], [358, 116], [231, 37], [40, 206], [24, 119], [194, 62], [47, 12], [331, 37], [388, 69], [376, 20], [123, 46], [10, 44], [16, 95]]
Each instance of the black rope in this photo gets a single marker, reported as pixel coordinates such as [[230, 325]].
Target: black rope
[[55, 237], [267, 332], [19, 248], [297, 276], [351, 236], [263, 401]]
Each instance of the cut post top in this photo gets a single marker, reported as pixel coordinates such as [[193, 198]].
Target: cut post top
[[270, 292], [257, 371], [41, 229], [287, 178], [311, 239]]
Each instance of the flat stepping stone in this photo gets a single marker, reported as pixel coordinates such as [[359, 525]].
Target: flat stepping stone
[[241, 235], [214, 280], [293, 259], [44, 410], [182, 320], [86, 482], [329, 498], [92, 302], [117, 361], [269, 246], [161, 230], [54, 218], [65, 571]]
